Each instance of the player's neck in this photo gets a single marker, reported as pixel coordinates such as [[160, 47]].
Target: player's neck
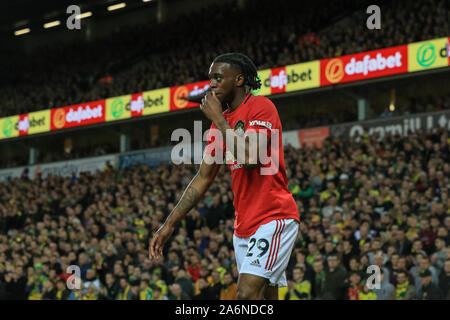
[[237, 101]]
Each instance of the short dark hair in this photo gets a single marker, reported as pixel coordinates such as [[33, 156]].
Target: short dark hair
[[424, 256], [402, 272], [245, 65], [298, 268], [334, 255], [156, 288]]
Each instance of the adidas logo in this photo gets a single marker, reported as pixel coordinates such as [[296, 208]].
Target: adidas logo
[[255, 263]]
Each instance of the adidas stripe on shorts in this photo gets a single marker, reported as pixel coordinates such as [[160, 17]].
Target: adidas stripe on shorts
[[266, 253]]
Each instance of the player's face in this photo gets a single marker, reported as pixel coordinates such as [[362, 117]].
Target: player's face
[[223, 80]]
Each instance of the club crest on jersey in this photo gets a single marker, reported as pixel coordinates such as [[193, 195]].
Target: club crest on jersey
[[239, 127]]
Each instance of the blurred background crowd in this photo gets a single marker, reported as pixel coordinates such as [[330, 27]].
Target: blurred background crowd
[[137, 58], [366, 205], [371, 201]]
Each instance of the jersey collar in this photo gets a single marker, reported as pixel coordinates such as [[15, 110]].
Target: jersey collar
[[246, 99]]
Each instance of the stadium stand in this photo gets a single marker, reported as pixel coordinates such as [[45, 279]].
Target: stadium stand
[[366, 201], [137, 58]]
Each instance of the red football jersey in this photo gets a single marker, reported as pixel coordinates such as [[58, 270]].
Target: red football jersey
[[258, 198]]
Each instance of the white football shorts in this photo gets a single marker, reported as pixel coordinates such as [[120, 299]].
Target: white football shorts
[[266, 253]]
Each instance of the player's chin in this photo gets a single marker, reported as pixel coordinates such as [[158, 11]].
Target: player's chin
[[222, 98]]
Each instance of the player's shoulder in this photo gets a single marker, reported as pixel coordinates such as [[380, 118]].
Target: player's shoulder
[[262, 100], [264, 103]]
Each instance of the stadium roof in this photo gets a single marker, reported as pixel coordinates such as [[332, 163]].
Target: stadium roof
[[12, 12], [18, 13]]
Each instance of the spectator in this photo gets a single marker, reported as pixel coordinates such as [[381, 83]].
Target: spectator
[[204, 292], [176, 293], [439, 256], [402, 244], [319, 280], [91, 278], [157, 294], [125, 292], [367, 294], [84, 265], [428, 290], [299, 288], [62, 293], [112, 286], [387, 290], [423, 263], [91, 293], [349, 252], [355, 265], [355, 287], [145, 292], [444, 281], [216, 284], [135, 290], [194, 268], [185, 283], [15, 284], [331, 190], [378, 261], [229, 289], [334, 279], [427, 235], [35, 283], [404, 290], [313, 252], [215, 213], [173, 259], [331, 207], [348, 234], [76, 294]]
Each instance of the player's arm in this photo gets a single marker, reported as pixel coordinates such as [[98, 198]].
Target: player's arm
[[194, 191], [247, 154], [241, 144], [191, 196]]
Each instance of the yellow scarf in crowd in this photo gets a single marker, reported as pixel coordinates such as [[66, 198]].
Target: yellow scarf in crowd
[[401, 290]]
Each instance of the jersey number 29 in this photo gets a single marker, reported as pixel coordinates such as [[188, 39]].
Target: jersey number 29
[[261, 244]]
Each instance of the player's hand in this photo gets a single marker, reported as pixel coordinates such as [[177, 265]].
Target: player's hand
[[211, 106], [158, 241]]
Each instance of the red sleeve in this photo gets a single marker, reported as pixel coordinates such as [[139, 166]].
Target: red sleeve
[[210, 148], [263, 116]]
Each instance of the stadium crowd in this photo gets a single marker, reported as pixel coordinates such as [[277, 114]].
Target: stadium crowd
[[138, 58], [374, 200]]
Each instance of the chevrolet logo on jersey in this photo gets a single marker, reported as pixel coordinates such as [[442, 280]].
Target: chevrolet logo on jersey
[[266, 124]]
